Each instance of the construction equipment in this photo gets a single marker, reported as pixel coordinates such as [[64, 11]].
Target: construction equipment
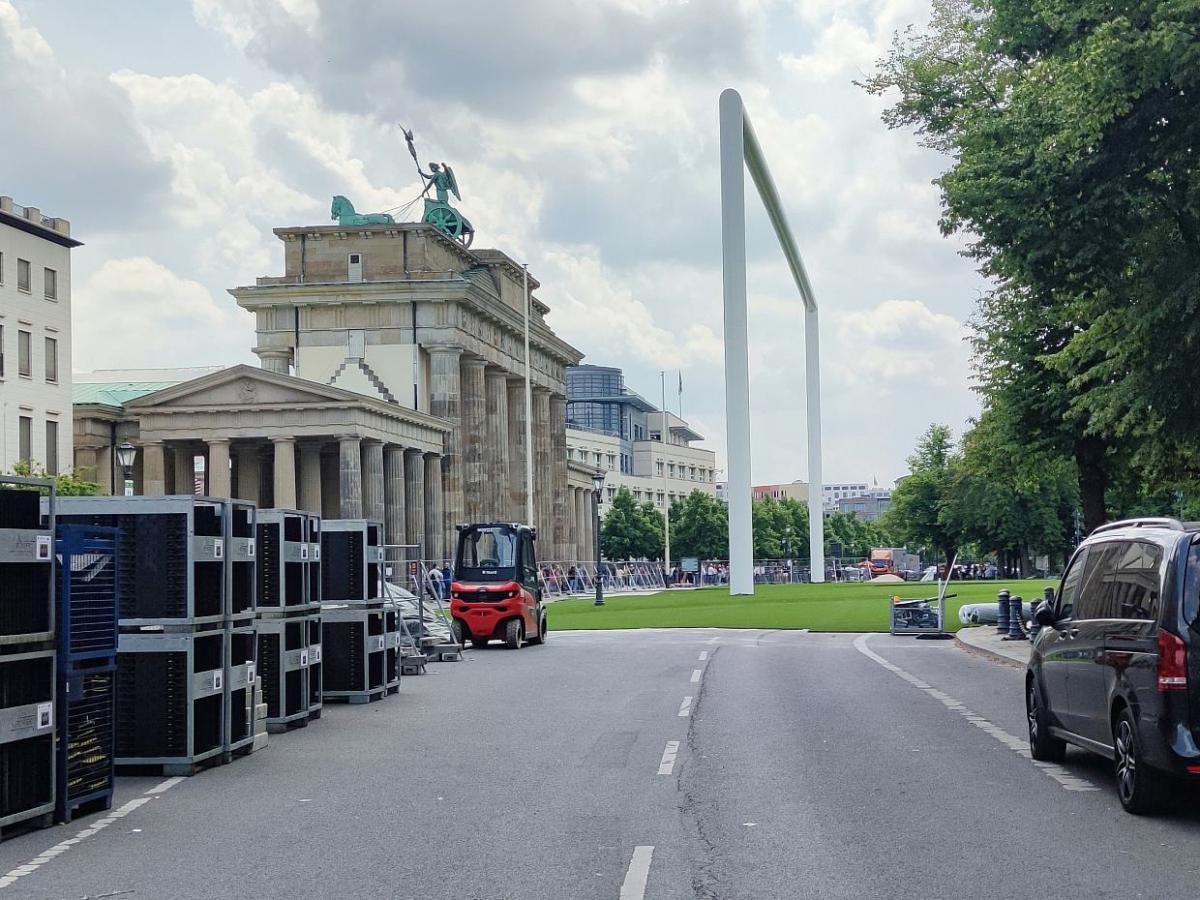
[[497, 593]]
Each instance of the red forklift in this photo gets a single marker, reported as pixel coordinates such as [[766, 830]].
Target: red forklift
[[496, 593]]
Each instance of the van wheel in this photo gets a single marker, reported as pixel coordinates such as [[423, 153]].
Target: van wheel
[[1140, 788], [512, 634], [1042, 746], [541, 636]]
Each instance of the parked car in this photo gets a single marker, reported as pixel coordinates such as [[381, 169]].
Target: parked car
[[1115, 668]]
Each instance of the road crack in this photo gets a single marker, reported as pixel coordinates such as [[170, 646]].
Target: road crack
[[694, 812]]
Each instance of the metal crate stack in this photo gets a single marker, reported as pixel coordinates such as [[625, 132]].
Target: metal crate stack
[[353, 626], [316, 691], [27, 655], [391, 646], [287, 572], [86, 622], [186, 608]]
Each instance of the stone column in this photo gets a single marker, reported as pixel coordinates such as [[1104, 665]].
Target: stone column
[[393, 501], [285, 474], [372, 480], [572, 538], [85, 464], [589, 534], [154, 469], [445, 395], [516, 450], [104, 470], [496, 505], [543, 505], [474, 435], [310, 477], [350, 493], [434, 516], [583, 550], [185, 469], [249, 473], [414, 494], [275, 361], [558, 475], [217, 470]]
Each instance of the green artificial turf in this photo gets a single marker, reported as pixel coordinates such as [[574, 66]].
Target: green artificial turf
[[819, 607]]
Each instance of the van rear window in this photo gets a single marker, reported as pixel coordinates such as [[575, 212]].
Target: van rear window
[[1191, 585]]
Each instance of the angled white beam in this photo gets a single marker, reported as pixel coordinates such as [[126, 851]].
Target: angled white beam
[[739, 146]]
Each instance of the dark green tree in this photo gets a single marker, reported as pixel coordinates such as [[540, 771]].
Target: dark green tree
[[66, 484], [918, 513], [700, 527], [631, 530]]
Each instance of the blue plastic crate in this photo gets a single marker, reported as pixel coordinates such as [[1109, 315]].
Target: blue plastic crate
[[87, 595], [86, 714]]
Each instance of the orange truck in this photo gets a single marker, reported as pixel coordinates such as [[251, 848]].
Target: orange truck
[[892, 561]]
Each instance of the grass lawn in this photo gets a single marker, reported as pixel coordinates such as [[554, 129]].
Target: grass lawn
[[820, 607]]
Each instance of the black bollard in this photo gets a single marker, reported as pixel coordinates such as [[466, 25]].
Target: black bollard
[[1002, 616], [1015, 632]]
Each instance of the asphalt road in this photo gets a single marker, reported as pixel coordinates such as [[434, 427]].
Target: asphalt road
[[807, 765]]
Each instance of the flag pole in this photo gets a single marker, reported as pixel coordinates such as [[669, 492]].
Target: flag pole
[[666, 485], [528, 410]]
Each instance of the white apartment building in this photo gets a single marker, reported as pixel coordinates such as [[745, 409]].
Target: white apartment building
[[35, 338], [661, 473]]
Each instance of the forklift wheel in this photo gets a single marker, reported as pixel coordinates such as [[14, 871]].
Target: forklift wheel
[[512, 634], [458, 632], [541, 637]]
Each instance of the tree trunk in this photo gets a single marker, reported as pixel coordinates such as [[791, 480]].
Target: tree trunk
[[1093, 481]]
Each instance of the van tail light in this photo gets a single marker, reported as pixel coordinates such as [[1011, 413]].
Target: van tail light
[[1172, 662]]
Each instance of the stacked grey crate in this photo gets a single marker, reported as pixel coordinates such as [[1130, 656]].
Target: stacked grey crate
[[186, 652], [288, 573], [27, 655], [353, 625]]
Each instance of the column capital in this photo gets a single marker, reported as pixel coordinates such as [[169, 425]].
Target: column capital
[[208, 441], [474, 362], [445, 349], [283, 440]]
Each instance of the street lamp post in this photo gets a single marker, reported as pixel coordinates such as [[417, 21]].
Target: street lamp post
[[597, 491], [787, 549], [126, 454]]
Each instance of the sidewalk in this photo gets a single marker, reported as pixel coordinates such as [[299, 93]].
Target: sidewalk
[[984, 640]]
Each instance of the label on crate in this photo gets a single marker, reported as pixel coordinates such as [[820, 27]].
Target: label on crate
[[250, 548], [43, 546], [303, 657], [316, 552], [219, 548], [218, 680], [304, 551], [250, 673], [314, 654], [378, 643], [45, 716]]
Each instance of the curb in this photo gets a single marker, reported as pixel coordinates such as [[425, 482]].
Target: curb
[[989, 654]]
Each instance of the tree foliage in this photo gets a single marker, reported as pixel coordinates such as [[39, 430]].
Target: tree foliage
[[66, 484], [631, 530], [699, 527]]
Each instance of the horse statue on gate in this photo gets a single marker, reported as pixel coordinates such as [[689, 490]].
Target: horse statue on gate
[[343, 210]]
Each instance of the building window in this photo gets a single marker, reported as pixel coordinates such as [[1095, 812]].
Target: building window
[[1, 268], [671, 470], [24, 354], [23, 275], [51, 447], [1, 351], [24, 438], [658, 468], [51, 360], [660, 498], [612, 461], [50, 282], [612, 492]]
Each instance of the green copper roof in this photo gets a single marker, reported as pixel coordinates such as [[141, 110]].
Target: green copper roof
[[115, 393]]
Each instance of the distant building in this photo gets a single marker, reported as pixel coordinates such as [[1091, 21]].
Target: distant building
[[35, 338], [612, 428], [794, 490], [866, 508]]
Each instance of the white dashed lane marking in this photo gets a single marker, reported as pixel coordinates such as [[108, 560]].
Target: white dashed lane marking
[[165, 785], [1018, 745], [685, 708], [667, 766], [634, 886], [63, 846], [703, 655], [696, 675]]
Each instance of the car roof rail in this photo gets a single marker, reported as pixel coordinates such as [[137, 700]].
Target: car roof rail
[[1161, 522]]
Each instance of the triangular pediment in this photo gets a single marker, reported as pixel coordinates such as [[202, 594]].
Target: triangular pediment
[[240, 386]]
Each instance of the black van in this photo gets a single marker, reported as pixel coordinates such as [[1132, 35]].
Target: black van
[[1116, 666]]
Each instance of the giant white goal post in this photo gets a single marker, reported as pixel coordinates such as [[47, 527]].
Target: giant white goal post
[[739, 146]]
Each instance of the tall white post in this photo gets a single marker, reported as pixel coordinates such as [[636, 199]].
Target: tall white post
[[528, 411], [737, 354], [739, 144], [816, 502], [666, 484]]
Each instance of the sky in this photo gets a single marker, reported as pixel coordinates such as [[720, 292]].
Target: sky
[[583, 133]]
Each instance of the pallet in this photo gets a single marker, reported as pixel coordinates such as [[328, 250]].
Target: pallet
[[444, 652], [393, 688], [314, 714], [276, 727], [172, 770], [413, 665], [24, 826], [357, 697], [85, 806]]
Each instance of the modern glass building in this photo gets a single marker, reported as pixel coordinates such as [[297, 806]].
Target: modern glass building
[[597, 400]]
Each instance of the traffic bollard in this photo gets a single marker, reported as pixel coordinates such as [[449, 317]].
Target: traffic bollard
[[1002, 613], [1015, 632], [1048, 597]]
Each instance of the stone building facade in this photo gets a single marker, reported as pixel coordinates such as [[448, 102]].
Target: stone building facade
[[391, 387]]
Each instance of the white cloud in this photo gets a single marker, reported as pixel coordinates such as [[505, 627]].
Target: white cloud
[[135, 312]]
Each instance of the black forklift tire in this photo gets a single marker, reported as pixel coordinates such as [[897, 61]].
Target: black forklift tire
[[512, 634], [458, 632], [541, 635]]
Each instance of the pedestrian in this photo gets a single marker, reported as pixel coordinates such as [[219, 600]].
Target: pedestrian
[[447, 580], [435, 581]]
